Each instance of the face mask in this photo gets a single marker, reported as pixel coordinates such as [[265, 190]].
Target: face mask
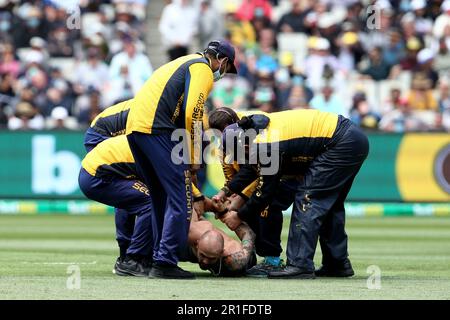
[[217, 75]]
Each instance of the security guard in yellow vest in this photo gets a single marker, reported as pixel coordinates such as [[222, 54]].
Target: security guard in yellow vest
[[269, 223], [108, 175], [334, 150], [111, 122], [173, 98]]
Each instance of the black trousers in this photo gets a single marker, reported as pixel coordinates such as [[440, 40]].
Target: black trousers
[[319, 203], [269, 223]]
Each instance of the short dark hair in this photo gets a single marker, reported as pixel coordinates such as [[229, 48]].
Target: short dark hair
[[222, 117]]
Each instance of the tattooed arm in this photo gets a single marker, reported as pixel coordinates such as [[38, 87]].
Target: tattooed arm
[[239, 260]]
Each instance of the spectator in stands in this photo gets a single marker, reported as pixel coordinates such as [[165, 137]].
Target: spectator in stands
[[8, 61], [26, 116], [350, 51], [37, 80], [442, 59], [260, 23], [328, 101], [39, 45], [231, 92], [291, 90], [395, 50], [313, 16], [241, 33], [6, 86], [402, 120], [319, 63], [423, 24], [130, 16], [283, 87], [91, 73], [120, 87], [178, 25], [251, 8], [421, 97], [139, 66], [60, 120], [294, 20], [328, 26], [395, 98], [378, 35], [265, 77], [29, 24], [61, 41], [409, 61], [425, 59], [354, 16], [93, 109], [442, 23], [377, 68], [5, 22], [361, 113], [210, 23], [264, 99], [298, 98], [57, 95]]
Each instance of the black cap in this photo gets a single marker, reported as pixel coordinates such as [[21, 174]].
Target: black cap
[[224, 48]]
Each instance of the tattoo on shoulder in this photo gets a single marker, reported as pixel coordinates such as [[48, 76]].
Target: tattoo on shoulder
[[237, 261]]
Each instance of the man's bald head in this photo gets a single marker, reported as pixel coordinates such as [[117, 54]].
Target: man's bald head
[[210, 248], [211, 242]]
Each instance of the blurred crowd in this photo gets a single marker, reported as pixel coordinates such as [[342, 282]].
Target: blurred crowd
[[63, 61], [383, 63]]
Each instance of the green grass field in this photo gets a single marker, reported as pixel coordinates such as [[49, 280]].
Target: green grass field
[[35, 251]]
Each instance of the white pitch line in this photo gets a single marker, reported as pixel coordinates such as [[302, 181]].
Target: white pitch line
[[61, 263]]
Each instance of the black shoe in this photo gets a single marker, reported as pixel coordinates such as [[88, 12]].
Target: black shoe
[[169, 272], [344, 270], [291, 272], [261, 270], [131, 267], [118, 261]]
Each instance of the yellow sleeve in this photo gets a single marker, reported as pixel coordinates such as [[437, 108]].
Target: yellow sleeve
[[248, 191], [199, 83], [195, 192], [228, 172]]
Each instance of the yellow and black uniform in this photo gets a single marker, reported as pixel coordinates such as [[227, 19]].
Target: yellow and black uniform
[[113, 157], [269, 223], [108, 175], [333, 150], [173, 98], [292, 138], [230, 169], [113, 120], [109, 123]]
